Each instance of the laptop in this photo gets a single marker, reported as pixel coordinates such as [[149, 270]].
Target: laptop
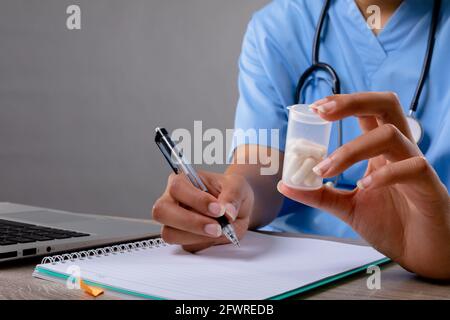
[[27, 231]]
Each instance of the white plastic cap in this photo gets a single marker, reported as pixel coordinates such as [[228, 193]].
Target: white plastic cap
[[303, 113]]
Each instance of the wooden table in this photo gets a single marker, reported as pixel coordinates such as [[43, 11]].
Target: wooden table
[[16, 282]]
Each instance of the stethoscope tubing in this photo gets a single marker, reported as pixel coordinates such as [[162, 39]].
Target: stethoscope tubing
[[336, 84]]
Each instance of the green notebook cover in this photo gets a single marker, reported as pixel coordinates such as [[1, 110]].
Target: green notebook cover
[[322, 282]]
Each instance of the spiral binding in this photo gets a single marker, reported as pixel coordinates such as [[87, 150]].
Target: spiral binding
[[105, 251]]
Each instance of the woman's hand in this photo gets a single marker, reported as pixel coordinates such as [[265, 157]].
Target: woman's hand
[[187, 213], [400, 206]]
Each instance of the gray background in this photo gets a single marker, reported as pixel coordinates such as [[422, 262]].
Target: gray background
[[78, 108]]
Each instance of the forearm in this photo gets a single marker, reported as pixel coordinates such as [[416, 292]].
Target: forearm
[[267, 200]]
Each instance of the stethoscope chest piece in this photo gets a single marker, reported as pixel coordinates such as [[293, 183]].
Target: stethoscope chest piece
[[416, 128]]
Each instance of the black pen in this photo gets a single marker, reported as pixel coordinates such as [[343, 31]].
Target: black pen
[[177, 162]]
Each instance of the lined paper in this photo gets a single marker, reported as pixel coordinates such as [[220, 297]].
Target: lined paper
[[264, 266]]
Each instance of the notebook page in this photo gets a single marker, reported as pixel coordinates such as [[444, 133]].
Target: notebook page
[[264, 266]]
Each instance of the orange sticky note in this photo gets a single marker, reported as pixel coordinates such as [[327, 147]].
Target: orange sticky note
[[93, 291]]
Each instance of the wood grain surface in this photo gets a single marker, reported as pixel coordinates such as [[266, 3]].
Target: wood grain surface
[[16, 282]]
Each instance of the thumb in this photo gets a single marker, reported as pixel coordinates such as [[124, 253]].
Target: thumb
[[335, 201]]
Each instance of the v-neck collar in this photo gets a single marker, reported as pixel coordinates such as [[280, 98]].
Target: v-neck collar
[[374, 49], [403, 21]]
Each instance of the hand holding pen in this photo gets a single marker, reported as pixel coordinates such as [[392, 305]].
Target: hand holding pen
[[194, 218]]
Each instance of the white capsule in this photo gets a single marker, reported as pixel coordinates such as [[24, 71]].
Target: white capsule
[[303, 171], [290, 145], [292, 164], [308, 149], [318, 182], [311, 180]]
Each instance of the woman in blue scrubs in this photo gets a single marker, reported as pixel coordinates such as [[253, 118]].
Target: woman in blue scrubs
[[392, 191]]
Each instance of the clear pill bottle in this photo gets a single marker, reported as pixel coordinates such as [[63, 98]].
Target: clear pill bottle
[[307, 142]]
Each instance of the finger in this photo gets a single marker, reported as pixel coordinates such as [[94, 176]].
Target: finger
[[416, 169], [232, 195], [176, 236], [241, 227], [384, 106], [386, 140], [367, 123], [337, 202], [212, 181], [172, 215], [181, 190]]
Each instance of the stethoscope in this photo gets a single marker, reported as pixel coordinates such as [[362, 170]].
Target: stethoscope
[[414, 124]]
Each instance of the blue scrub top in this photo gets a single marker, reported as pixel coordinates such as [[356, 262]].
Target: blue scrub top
[[277, 50]]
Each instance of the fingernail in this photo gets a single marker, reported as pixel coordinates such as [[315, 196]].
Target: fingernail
[[231, 210], [216, 209], [213, 230], [320, 102], [327, 107], [313, 108], [322, 167], [329, 184], [364, 183]]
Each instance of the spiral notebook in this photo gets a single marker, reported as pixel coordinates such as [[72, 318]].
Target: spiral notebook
[[264, 267]]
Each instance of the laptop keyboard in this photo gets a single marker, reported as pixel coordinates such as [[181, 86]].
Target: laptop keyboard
[[12, 232]]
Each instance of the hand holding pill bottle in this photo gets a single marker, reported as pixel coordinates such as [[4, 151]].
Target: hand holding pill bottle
[[307, 142]]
